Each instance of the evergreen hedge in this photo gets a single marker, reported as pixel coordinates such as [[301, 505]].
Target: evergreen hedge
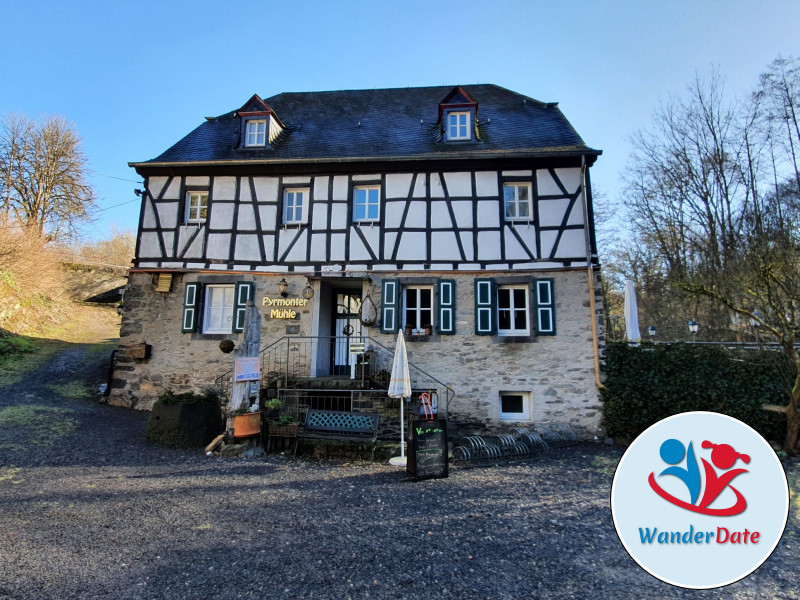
[[647, 383]]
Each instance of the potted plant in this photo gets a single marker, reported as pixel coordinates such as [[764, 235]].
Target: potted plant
[[284, 426], [246, 423], [429, 329]]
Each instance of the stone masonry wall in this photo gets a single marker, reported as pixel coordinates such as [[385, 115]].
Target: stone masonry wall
[[557, 370]]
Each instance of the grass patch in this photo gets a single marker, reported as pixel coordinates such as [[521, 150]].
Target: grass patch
[[40, 425], [11, 345], [605, 464], [72, 390], [14, 367]]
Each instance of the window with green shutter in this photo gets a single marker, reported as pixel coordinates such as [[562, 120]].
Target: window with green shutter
[[545, 307], [245, 290], [390, 305], [191, 298], [485, 307], [446, 309]]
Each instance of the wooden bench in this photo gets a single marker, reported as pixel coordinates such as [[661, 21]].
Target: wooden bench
[[340, 425]]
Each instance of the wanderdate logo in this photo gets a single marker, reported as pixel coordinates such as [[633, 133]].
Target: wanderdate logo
[[723, 457], [699, 500]]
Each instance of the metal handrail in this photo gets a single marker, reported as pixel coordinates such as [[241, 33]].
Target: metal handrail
[[282, 365]]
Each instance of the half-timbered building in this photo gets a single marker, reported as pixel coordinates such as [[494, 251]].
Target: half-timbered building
[[461, 215]]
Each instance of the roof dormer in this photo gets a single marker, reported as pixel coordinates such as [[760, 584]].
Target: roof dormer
[[260, 124], [458, 115]]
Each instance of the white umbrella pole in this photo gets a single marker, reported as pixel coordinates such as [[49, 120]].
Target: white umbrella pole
[[402, 430]]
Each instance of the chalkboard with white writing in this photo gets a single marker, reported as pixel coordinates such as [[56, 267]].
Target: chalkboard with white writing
[[427, 456]]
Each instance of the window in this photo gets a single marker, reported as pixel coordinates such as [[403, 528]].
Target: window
[[458, 126], [512, 310], [256, 132], [367, 200], [515, 406], [222, 309], [294, 202], [505, 309], [196, 207], [416, 305], [218, 313], [517, 201], [418, 309]]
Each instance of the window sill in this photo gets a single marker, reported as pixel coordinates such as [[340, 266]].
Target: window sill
[[422, 338], [513, 339]]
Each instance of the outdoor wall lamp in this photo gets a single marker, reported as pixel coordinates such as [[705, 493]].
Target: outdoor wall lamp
[[308, 291], [693, 327], [652, 331], [282, 287]]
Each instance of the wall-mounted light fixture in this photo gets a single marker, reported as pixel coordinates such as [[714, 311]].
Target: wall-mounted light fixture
[[652, 331], [283, 286], [308, 291]]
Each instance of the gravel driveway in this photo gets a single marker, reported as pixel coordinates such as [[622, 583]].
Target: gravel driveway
[[88, 509]]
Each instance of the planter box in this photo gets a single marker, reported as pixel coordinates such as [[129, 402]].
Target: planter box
[[289, 430]]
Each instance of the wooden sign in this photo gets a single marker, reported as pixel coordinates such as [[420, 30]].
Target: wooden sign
[[427, 454]]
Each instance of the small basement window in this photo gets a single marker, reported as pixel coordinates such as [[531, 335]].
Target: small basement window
[[515, 406]]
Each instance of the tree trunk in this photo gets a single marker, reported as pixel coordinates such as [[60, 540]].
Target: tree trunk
[[249, 346], [793, 419]]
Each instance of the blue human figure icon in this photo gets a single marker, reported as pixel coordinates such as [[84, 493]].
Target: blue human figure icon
[[672, 452]]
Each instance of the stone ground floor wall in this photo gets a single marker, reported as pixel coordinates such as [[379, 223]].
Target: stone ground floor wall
[[554, 373]]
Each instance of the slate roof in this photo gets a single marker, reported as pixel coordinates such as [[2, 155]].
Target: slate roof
[[384, 124]]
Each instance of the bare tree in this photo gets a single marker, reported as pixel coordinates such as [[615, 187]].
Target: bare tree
[[44, 174], [714, 197]]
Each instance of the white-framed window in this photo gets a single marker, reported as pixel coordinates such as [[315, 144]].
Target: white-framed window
[[517, 201], [295, 201], [417, 307], [218, 311], [366, 203], [458, 125], [512, 310], [196, 206], [256, 132], [515, 406]]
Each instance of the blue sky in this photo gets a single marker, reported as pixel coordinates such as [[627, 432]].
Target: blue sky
[[135, 77]]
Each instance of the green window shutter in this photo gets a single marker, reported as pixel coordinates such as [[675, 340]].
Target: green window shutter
[[544, 298], [244, 291], [191, 302], [446, 308], [485, 307], [390, 305]]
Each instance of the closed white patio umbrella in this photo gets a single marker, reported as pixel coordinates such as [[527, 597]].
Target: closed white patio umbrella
[[400, 387], [631, 313]]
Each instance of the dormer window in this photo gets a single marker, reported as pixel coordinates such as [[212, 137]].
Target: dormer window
[[458, 114], [260, 125], [256, 132], [458, 126]]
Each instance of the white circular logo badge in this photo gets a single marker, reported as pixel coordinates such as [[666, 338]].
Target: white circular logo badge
[[699, 500]]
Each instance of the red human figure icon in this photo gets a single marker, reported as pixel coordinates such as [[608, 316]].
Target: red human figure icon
[[724, 457]]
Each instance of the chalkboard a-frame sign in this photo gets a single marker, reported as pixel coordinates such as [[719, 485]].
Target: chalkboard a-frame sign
[[427, 457]]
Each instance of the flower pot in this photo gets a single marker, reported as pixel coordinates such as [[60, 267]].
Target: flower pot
[[247, 425]]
